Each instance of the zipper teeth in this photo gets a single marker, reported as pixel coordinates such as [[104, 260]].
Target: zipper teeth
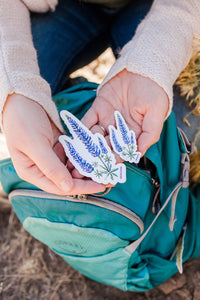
[[104, 203], [122, 208]]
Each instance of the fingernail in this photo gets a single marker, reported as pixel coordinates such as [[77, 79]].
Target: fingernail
[[66, 185]]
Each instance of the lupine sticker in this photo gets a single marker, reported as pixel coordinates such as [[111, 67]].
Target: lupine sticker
[[123, 140], [90, 153]]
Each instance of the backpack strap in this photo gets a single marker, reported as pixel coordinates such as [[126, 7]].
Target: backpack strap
[[133, 246], [185, 163], [189, 146]]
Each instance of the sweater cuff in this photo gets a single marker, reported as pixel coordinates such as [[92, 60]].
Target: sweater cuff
[[17, 78], [40, 6], [24, 85]]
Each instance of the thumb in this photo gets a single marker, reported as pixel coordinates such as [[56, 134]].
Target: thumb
[[52, 167], [151, 129], [90, 118]]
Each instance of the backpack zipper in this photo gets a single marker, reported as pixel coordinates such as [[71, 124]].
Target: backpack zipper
[[88, 199]]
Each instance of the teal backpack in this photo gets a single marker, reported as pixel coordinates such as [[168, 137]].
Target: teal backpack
[[137, 234]]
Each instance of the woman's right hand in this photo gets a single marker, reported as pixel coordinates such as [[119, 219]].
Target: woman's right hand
[[38, 157]]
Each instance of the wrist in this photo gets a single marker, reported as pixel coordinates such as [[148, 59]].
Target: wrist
[[8, 99]]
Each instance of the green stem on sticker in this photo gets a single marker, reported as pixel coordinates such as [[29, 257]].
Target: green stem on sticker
[[106, 167]]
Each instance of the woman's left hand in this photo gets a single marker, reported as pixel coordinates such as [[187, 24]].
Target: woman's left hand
[[142, 103]]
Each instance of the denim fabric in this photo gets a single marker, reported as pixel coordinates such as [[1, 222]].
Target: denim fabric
[[76, 33]]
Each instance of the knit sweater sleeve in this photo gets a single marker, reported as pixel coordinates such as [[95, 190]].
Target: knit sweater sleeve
[[19, 71], [162, 45]]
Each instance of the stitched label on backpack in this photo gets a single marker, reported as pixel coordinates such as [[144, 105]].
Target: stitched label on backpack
[[69, 247]]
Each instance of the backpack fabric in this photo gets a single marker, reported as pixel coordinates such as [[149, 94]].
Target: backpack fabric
[[135, 236]]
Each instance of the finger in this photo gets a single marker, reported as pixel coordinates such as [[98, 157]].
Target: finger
[[144, 142], [76, 174], [90, 118], [118, 158], [28, 171], [151, 130], [51, 166], [70, 166], [98, 129], [87, 186], [136, 116], [134, 121], [135, 126], [60, 152], [109, 185], [101, 112], [107, 138]]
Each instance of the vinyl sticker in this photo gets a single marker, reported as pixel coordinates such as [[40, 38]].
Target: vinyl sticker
[[90, 153], [123, 140]]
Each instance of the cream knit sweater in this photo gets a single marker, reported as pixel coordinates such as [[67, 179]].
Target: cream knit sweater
[[160, 49]]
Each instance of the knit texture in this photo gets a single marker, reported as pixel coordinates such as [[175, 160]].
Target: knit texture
[[160, 49], [40, 5], [19, 71], [162, 45]]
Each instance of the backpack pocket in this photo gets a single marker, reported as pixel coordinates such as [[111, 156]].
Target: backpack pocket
[[101, 255], [90, 212], [137, 193], [96, 253], [148, 271], [69, 239]]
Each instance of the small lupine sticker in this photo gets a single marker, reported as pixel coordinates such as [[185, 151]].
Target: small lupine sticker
[[123, 140], [90, 153]]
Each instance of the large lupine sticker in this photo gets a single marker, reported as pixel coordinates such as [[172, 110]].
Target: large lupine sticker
[[123, 140], [90, 153]]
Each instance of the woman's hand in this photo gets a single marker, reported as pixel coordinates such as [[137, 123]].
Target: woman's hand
[[38, 158], [142, 103]]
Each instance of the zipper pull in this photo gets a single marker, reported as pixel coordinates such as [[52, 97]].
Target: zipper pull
[[155, 182], [185, 162]]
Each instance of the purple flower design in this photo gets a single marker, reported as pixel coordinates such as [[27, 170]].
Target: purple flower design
[[89, 152], [103, 148], [123, 140], [87, 167], [123, 129], [115, 142], [84, 137], [132, 138]]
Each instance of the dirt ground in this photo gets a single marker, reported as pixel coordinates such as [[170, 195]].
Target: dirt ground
[[29, 270]]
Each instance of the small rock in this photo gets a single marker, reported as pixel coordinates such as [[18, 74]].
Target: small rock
[[172, 284], [196, 295], [184, 294], [196, 279], [1, 287]]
